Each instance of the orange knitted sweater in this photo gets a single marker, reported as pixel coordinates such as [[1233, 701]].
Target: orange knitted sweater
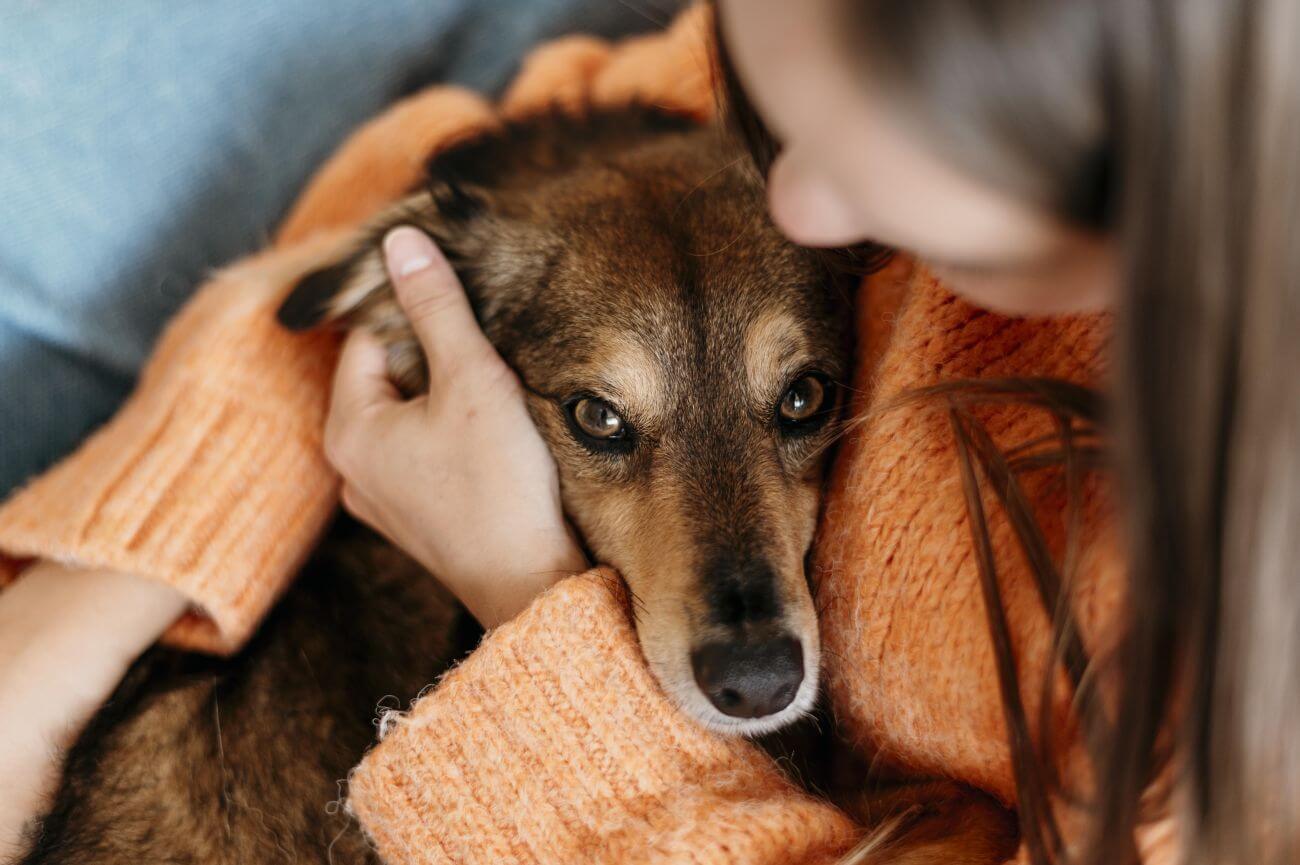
[[552, 742]]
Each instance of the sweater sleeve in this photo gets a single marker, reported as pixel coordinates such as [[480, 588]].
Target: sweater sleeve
[[211, 478], [553, 743]]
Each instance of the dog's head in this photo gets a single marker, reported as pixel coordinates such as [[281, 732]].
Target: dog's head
[[683, 361]]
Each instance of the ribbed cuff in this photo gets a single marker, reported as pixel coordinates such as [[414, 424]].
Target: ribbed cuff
[[218, 501], [211, 478], [553, 743]]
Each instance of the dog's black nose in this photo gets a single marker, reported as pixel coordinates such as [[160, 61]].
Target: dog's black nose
[[750, 679]]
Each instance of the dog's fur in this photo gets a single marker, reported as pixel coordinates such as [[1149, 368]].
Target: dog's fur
[[622, 256], [625, 256], [628, 257]]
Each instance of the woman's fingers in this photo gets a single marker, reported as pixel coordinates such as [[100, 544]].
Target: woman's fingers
[[361, 386], [362, 377], [462, 481], [435, 302]]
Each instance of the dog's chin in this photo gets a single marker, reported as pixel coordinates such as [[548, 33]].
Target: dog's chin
[[678, 683]]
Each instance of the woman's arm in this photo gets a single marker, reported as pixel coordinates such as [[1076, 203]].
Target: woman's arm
[[211, 479], [553, 743], [67, 636], [191, 510]]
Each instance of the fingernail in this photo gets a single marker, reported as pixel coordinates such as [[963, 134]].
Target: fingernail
[[407, 250]]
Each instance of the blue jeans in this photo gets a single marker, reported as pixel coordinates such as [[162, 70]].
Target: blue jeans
[[144, 144]]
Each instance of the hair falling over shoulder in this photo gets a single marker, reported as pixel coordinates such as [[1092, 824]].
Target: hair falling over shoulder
[[1174, 126]]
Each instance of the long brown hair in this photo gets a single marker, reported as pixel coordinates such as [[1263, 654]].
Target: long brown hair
[[1173, 125]]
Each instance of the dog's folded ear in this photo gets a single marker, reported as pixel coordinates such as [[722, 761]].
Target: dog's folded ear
[[354, 291], [336, 292], [312, 300]]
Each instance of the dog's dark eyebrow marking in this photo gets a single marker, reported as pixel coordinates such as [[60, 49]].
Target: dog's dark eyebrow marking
[[553, 397]]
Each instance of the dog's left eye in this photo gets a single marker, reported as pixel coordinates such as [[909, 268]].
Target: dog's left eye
[[598, 424], [805, 401]]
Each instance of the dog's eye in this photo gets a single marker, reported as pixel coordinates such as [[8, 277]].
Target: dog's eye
[[597, 418], [597, 422], [805, 402]]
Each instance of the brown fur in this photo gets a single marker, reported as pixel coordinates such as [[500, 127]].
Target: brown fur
[[934, 823], [629, 256], [241, 760], [623, 255], [617, 251]]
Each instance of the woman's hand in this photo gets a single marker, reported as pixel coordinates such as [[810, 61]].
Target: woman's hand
[[67, 636], [458, 478]]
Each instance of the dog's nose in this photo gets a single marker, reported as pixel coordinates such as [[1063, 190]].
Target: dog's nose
[[749, 679]]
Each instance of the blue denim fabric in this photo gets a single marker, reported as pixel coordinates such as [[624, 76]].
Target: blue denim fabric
[[144, 144]]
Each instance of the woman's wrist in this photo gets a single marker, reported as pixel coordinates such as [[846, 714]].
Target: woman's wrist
[[67, 636], [98, 620], [495, 601]]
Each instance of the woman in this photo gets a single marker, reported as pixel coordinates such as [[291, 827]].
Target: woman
[[1047, 157]]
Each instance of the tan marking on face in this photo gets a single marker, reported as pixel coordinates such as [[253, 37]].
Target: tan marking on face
[[631, 374], [648, 532], [775, 349]]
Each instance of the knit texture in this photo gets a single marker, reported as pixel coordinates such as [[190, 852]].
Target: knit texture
[[211, 477], [555, 745], [552, 742], [895, 566]]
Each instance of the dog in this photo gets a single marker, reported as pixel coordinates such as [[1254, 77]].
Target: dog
[[682, 361], [686, 366]]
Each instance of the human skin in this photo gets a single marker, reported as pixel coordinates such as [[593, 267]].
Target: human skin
[[849, 170], [465, 483], [67, 636]]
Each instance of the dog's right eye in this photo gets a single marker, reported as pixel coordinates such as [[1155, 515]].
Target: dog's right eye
[[806, 404], [598, 425]]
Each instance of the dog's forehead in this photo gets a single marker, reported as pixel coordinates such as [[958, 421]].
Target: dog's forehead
[[661, 325], [657, 279], [661, 256]]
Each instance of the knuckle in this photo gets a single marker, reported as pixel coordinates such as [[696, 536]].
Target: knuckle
[[350, 501], [479, 374], [500, 379], [340, 447]]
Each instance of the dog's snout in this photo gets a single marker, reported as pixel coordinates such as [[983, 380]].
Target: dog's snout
[[750, 679], [742, 594]]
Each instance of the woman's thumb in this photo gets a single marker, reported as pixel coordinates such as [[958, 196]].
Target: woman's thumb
[[434, 301]]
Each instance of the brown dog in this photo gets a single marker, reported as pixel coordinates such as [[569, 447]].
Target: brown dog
[[684, 363], [681, 361]]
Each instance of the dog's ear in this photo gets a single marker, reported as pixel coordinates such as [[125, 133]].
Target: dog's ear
[[310, 301], [339, 290], [355, 290]]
